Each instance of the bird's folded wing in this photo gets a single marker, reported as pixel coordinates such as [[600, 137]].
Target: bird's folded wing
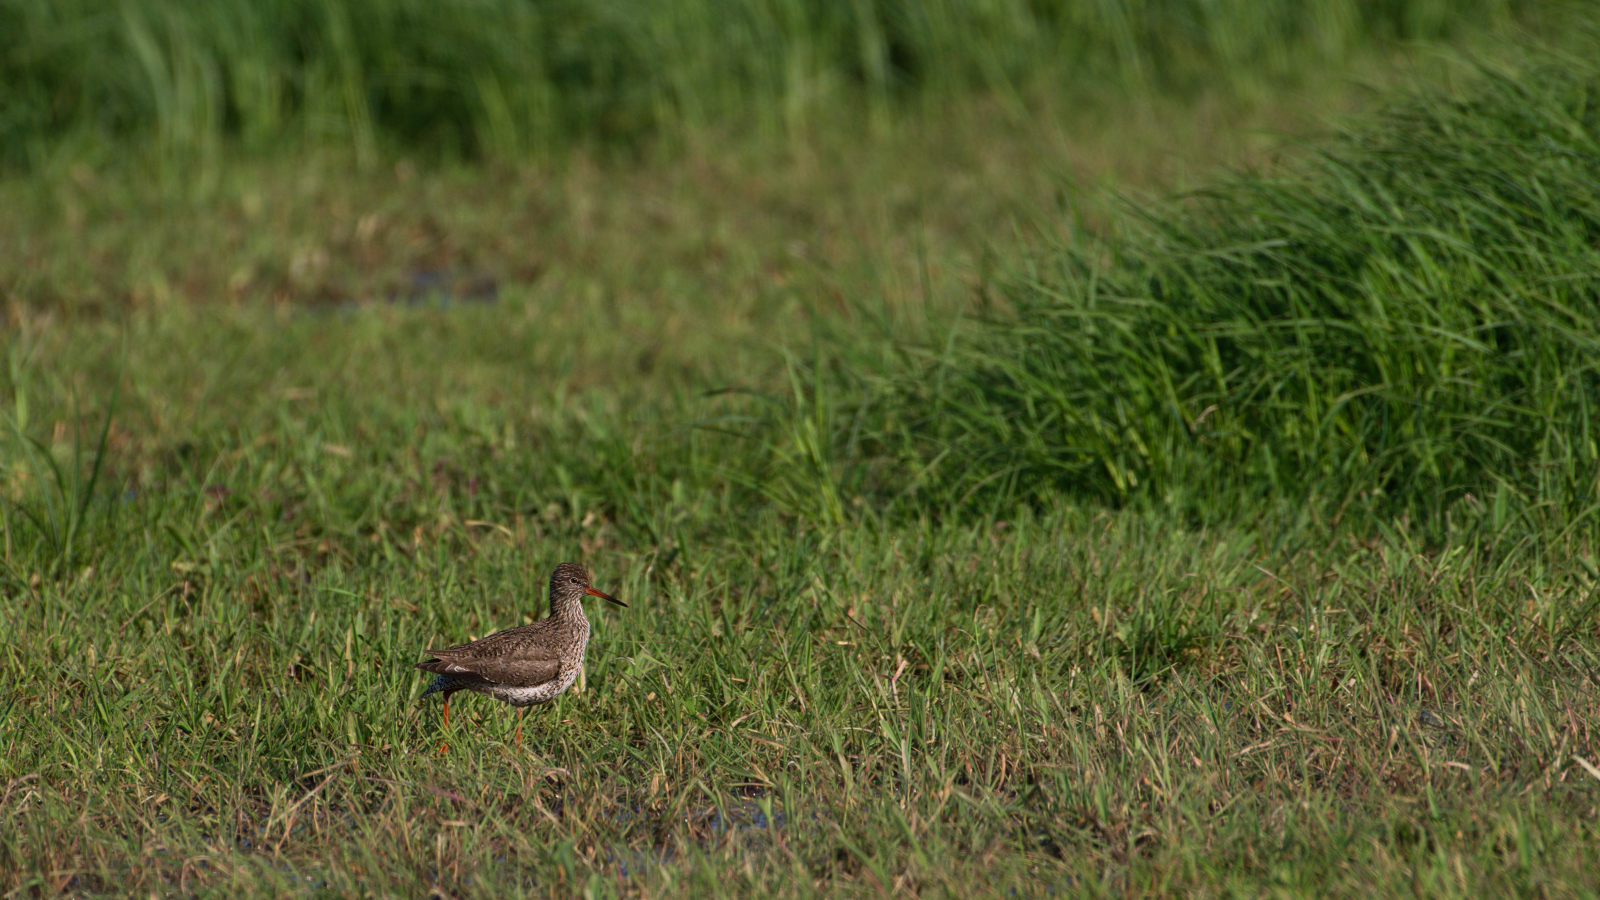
[[512, 662], [446, 667], [519, 672]]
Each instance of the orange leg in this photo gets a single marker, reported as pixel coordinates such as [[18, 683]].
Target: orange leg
[[445, 747]]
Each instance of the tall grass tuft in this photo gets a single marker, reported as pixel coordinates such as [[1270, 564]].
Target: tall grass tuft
[[54, 499], [1404, 326]]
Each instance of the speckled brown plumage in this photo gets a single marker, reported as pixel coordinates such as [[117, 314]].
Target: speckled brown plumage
[[526, 665]]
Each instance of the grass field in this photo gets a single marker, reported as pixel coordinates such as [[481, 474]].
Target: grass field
[[870, 420]]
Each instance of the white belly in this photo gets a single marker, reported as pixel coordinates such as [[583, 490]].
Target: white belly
[[530, 696]]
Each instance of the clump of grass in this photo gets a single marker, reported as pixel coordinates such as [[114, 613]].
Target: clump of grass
[[51, 501], [1401, 325]]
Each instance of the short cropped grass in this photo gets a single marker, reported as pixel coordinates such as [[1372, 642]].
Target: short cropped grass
[[220, 700], [216, 695]]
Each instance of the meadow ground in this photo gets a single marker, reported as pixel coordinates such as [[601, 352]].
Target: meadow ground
[[276, 428]]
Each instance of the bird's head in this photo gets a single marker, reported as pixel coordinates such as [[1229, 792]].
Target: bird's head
[[572, 580]]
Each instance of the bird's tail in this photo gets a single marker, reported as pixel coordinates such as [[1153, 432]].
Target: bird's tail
[[441, 683]]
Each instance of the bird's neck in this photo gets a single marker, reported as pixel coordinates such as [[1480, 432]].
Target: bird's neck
[[565, 607]]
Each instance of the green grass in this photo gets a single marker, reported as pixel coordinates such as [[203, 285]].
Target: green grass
[[1400, 325], [220, 700], [503, 78], [325, 450]]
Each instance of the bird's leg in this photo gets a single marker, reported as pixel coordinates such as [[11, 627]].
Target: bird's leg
[[521, 717], [445, 746]]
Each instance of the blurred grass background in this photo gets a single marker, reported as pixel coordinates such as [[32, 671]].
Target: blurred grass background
[[505, 78], [1059, 448]]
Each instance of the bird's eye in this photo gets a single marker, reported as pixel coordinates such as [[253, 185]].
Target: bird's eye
[[573, 580]]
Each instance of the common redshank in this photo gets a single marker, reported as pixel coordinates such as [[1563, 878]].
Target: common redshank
[[527, 665]]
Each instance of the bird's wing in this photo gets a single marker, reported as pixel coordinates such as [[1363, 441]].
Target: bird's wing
[[506, 657], [519, 672]]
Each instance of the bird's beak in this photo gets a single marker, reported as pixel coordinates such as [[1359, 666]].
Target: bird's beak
[[604, 596]]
